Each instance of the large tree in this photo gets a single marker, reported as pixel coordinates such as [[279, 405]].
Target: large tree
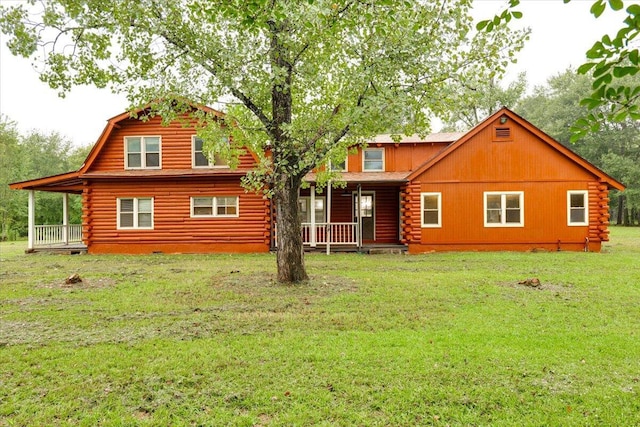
[[305, 79]]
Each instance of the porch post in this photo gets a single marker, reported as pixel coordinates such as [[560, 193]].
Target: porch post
[[327, 231], [65, 218], [312, 202], [359, 216], [31, 215]]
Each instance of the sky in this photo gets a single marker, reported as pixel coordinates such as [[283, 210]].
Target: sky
[[560, 36]]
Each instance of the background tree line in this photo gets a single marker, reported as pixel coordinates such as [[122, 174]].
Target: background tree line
[[28, 156], [555, 107]]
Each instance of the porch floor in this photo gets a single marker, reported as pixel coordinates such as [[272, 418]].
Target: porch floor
[[60, 248]]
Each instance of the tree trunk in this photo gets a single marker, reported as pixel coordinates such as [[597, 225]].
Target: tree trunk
[[290, 253], [621, 199]]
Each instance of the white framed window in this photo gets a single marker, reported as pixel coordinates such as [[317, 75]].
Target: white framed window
[[373, 160], [339, 166], [431, 209], [135, 213], [215, 206], [142, 152], [199, 158], [577, 207], [504, 209], [304, 209]]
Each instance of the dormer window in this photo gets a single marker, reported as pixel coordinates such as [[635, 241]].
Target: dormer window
[[373, 160], [142, 152], [200, 160]]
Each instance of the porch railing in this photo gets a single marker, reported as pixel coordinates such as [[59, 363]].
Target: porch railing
[[46, 235], [340, 233]]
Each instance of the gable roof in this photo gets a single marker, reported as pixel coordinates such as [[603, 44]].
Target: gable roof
[[566, 152], [113, 123], [408, 139], [71, 182]]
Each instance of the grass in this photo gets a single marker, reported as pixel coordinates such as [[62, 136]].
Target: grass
[[438, 339]]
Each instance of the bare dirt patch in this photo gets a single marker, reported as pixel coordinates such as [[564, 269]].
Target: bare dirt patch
[[84, 283]]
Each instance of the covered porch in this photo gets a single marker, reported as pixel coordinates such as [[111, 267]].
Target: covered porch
[[362, 213], [64, 237]]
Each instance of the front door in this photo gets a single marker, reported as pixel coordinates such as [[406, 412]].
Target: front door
[[367, 215]]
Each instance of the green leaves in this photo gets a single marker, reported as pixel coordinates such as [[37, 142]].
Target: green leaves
[[612, 62], [504, 17]]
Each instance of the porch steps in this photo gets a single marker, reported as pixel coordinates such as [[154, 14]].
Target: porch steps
[[367, 249], [59, 249], [387, 251]]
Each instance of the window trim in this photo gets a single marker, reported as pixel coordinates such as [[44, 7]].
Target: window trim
[[307, 200], [136, 212], [364, 159], [503, 209], [345, 169], [193, 157], [585, 195], [214, 206], [439, 209], [143, 152]]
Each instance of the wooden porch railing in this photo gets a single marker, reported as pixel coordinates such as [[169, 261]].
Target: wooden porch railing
[[340, 233], [46, 235]]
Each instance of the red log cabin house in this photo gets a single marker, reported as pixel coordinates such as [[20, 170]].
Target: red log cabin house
[[503, 185]]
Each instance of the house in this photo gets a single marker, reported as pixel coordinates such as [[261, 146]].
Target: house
[[503, 185]]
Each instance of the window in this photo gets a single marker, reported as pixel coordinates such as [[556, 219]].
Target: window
[[135, 213], [504, 209], [430, 206], [305, 209], [219, 206], [373, 159], [200, 160], [142, 152], [577, 208], [338, 166]]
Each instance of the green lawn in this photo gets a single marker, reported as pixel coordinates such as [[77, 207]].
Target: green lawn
[[438, 339]]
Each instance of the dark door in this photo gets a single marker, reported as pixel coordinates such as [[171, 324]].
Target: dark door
[[367, 214]]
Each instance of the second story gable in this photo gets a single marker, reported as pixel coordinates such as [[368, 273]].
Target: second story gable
[[383, 154], [129, 144]]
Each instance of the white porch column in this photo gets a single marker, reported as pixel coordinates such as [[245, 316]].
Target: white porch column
[[359, 216], [312, 202], [31, 219], [327, 231], [65, 218]]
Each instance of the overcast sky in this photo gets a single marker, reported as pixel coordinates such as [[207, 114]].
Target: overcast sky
[[561, 34]]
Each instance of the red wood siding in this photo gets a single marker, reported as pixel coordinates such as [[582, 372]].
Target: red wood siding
[[402, 157], [522, 164], [176, 145], [174, 230]]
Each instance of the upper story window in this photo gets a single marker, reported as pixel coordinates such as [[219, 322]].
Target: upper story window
[[142, 152], [200, 160], [577, 208], [135, 212], [338, 166], [373, 160], [431, 209], [504, 209]]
